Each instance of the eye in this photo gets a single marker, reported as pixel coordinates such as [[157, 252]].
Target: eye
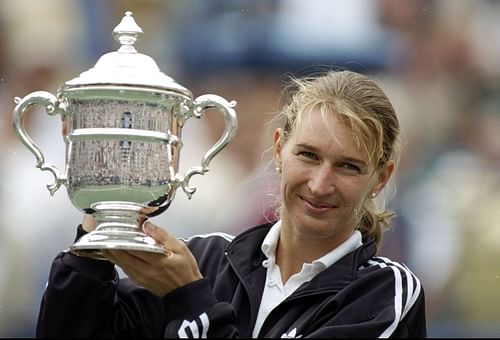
[[307, 154], [351, 167]]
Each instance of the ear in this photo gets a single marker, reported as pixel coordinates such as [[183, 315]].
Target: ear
[[383, 176], [277, 137]]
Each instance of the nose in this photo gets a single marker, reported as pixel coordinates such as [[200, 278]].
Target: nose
[[322, 181]]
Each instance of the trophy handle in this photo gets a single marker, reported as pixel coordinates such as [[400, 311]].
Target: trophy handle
[[201, 104], [52, 107]]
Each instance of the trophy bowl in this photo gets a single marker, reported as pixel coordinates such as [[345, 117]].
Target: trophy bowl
[[123, 120]]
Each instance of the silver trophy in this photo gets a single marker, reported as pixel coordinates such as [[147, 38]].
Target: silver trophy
[[123, 122]]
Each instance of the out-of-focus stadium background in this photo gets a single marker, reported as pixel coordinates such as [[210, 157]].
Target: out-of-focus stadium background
[[439, 62]]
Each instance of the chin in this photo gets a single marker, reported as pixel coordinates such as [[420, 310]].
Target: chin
[[317, 227]]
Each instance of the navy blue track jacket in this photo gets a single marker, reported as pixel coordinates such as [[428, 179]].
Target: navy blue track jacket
[[361, 295]]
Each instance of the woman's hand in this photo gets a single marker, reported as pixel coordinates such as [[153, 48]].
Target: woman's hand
[[159, 273]]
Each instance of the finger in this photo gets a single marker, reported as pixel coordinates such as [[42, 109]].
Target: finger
[[123, 257], [159, 234], [141, 219], [147, 258]]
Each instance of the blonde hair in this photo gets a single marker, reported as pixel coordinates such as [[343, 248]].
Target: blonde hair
[[365, 108]]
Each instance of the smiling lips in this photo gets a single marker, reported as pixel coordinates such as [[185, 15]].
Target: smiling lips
[[317, 206]]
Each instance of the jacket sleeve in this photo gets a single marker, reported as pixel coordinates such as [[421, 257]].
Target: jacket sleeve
[[381, 325], [389, 303], [86, 298], [194, 312], [77, 302], [96, 303]]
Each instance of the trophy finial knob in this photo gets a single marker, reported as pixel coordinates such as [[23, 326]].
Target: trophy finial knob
[[127, 32]]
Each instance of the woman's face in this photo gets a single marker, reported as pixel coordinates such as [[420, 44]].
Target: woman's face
[[326, 178]]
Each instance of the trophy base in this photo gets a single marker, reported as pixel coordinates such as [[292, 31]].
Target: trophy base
[[90, 245], [116, 229]]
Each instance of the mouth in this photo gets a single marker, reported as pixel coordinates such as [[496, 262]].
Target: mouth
[[317, 206]]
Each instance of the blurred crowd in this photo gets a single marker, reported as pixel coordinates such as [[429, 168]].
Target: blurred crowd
[[438, 60]]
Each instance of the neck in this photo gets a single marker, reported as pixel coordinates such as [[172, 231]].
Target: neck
[[293, 250], [288, 260]]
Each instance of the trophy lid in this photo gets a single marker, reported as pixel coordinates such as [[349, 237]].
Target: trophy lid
[[126, 66]]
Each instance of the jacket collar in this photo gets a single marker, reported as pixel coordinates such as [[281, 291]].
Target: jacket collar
[[246, 256]]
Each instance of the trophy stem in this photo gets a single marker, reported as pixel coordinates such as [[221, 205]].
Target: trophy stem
[[117, 228]]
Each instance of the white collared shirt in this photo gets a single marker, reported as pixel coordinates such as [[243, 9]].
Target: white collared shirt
[[274, 290]]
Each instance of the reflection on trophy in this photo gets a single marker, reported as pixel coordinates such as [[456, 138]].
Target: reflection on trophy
[[124, 120]]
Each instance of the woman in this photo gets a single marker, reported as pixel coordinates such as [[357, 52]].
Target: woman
[[312, 273]]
